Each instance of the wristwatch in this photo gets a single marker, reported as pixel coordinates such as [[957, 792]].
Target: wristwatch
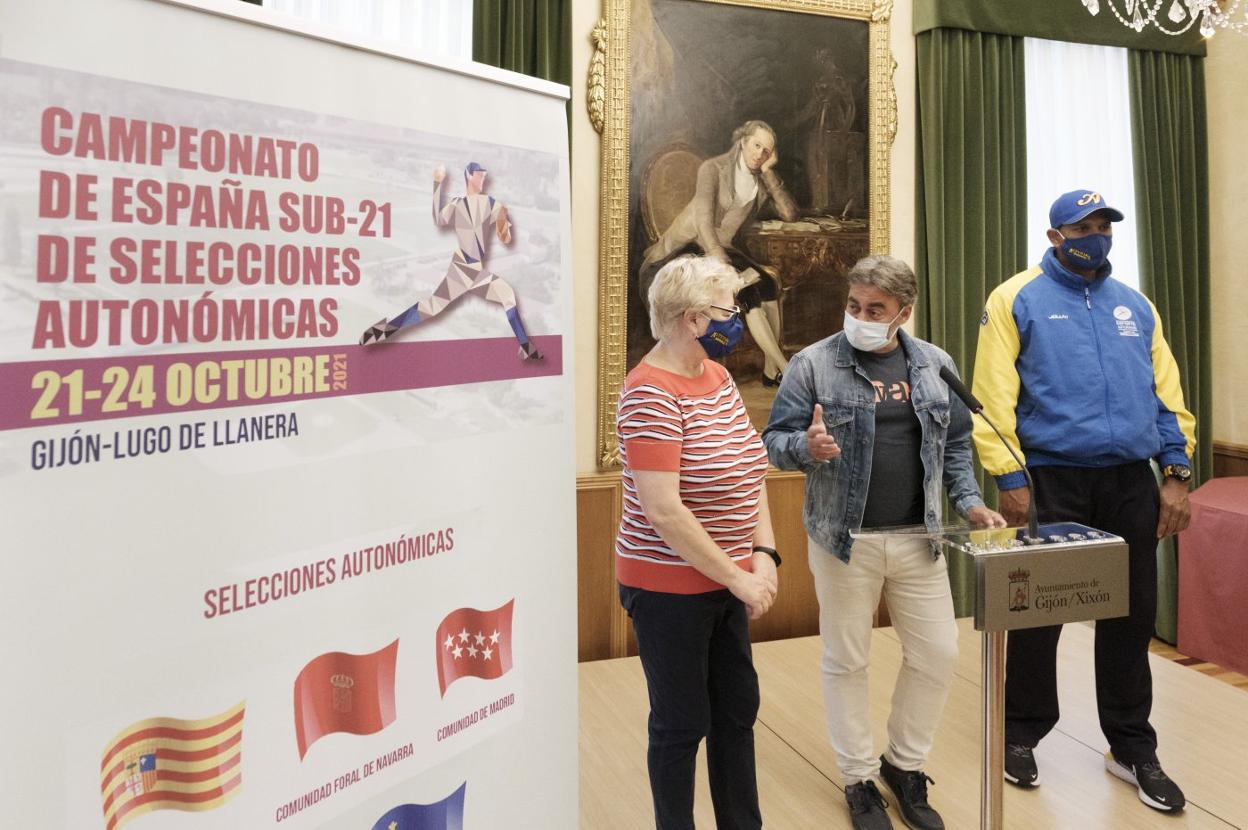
[[1178, 472], [775, 557]]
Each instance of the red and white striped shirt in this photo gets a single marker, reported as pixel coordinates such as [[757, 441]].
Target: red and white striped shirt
[[699, 428]]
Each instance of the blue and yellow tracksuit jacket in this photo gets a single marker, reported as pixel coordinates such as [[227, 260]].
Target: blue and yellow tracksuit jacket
[[1076, 374]]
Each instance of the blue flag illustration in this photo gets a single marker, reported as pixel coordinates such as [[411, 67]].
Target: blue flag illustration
[[447, 814]]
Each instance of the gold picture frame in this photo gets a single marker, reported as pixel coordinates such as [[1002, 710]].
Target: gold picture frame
[[609, 106]]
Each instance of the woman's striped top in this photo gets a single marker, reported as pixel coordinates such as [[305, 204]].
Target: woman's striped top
[[699, 428]]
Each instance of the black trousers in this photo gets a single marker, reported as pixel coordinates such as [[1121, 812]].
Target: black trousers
[[1123, 500], [695, 650]]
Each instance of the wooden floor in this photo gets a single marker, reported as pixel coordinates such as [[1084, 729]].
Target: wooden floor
[[1196, 664], [1202, 723]]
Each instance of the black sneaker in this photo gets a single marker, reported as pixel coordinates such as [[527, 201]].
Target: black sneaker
[[1152, 784], [867, 806], [1020, 766], [910, 789]]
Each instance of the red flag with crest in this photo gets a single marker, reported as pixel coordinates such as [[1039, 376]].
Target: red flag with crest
[[341, 692]]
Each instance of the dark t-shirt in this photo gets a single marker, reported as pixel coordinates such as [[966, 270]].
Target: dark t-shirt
[[895, 495]]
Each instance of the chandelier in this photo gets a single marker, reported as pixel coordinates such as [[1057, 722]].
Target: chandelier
[[1179, 16]]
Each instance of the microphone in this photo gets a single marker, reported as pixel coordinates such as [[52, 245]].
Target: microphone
[[958, 388]]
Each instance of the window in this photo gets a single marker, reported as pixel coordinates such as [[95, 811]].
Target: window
[[437, 27]]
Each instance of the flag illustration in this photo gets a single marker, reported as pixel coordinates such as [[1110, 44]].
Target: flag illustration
[[447, 814], [474, 643], [340, 692], [172, 764]]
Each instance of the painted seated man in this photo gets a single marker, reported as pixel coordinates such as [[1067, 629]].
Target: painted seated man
[[732, 189]]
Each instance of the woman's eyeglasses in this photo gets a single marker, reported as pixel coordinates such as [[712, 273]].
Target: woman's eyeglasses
[[732, 313]]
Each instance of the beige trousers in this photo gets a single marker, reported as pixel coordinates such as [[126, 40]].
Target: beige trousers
[[920, 605]]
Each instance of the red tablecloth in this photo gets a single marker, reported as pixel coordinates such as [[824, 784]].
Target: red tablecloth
[[1213, 575]]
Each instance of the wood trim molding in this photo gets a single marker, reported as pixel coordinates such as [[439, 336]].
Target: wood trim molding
[[1230, 450], [1230, 459]]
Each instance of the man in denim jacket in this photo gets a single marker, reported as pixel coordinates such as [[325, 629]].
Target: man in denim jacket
[[866, 416]]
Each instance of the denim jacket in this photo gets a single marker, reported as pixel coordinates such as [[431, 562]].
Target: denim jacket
[[828, 373]]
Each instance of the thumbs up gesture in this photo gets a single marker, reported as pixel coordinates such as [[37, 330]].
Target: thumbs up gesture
[[822, 447]]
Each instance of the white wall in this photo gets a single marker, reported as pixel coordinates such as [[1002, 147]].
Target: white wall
[[1226, 77]]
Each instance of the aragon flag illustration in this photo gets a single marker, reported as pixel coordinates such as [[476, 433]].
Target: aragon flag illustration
[[172, 764], [447, 814], [474, 643], [340, 692]]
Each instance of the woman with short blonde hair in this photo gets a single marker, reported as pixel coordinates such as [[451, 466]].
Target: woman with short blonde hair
[[688, 283], [695, 554]]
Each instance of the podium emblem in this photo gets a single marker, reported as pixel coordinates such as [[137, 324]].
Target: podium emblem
[[1020, 589]]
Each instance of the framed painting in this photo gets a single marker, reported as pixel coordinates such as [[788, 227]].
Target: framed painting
[[757, 131]]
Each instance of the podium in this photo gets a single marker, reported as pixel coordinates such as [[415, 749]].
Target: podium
[[1066, 572]]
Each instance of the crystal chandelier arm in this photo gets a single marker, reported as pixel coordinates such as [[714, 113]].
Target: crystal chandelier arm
[[1138, 15]]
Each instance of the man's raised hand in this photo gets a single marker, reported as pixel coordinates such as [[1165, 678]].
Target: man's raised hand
[[822, 447]]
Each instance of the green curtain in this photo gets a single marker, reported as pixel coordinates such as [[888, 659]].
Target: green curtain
[[971, 196], [1168, 132], [1066, 20], [529, 36]]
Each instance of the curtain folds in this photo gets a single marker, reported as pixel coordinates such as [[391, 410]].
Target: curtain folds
[[1168, 130], [529, 36], [971, 196]]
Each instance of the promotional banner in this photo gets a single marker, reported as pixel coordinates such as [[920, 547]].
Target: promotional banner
[[285, 438]]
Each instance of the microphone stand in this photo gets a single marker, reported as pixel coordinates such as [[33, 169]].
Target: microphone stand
[[992, 658], [1033, 521], [957, 387]]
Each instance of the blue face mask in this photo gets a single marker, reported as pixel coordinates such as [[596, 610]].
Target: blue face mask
[[1087, 252], [722, 336]]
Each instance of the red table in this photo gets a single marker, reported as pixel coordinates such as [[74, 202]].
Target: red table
[[1213, 575]]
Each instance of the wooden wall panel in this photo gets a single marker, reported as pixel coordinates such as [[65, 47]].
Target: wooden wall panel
[[602, 623], [1230, 459], [796, 612], [605, 630]]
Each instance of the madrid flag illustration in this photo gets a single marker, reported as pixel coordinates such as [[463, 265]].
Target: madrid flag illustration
[[341, 692], [172, 764], [474, 643]]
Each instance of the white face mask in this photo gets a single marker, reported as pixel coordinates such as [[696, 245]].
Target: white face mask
[[868, 337]]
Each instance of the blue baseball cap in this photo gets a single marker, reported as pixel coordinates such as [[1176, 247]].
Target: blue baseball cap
[[1073, 206], [472, 167]]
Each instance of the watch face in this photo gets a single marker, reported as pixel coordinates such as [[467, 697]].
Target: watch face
[[1179, 472]]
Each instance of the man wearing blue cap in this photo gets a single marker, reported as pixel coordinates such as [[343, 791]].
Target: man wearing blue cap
[[1073, 367]]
